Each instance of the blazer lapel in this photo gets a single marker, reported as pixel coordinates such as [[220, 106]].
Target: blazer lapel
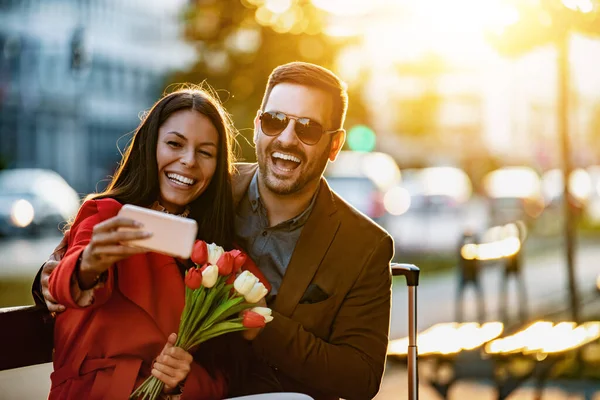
[[315, 239]]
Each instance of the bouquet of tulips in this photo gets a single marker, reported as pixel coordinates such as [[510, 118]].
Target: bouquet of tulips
[[218, 300]]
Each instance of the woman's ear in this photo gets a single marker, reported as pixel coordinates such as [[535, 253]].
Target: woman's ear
[[337, 142]]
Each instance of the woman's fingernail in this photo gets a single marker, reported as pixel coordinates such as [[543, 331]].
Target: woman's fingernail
[[147, 234]]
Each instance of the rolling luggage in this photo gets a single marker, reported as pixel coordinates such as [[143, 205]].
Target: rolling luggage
[[411, 273]]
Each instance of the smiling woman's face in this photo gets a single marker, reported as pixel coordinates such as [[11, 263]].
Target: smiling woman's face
[[186, 154]]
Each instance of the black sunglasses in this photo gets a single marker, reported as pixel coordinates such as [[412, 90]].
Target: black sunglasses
[[308, 131]]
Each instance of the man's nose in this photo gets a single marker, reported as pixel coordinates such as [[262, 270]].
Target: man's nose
[[288, 135]]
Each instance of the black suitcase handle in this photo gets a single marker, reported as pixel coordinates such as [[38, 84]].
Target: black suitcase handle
[[410, 271]]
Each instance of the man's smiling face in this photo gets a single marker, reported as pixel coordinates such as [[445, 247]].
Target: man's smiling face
[[286, 164]]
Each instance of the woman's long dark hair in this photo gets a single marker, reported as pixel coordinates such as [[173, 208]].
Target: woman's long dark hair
[[136, 179]]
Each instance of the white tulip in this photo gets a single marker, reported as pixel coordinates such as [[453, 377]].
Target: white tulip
[[245, 282], [209, 276], [257, 293], [214, 253], [265, 312]]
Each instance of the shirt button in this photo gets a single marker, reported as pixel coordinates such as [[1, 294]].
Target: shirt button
[[264, 233]]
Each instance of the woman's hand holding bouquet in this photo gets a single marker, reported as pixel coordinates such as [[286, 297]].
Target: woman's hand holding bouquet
[[218, 300]]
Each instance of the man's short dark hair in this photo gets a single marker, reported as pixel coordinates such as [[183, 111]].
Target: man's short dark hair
[[312, 75]]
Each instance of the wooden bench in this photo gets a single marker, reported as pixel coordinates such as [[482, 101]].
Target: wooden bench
[[27, 332], [27, 336]]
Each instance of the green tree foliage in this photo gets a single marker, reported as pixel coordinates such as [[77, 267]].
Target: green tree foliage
[[239, 43]]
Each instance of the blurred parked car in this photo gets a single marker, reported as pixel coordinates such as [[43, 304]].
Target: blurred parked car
[[437, 189], [584, 187], [592, 211], [515, 194], [361, 193], [440, 208], [32, 200], [363, 179]]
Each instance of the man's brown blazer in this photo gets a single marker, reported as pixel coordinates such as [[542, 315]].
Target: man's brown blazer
[[334, 347]]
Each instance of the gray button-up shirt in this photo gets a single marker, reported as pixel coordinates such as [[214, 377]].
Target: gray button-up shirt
[[270, 248]]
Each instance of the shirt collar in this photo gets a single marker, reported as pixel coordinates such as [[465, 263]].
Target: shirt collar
[[255, 203], [253, 195]]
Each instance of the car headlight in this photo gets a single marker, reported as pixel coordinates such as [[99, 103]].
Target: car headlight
[[22, 213]]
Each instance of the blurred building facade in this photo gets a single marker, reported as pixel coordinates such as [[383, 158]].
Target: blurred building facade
[[75, 76]]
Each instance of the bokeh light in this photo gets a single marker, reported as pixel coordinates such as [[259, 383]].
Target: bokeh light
[[382, 169], [397, 200], [520, 182], [585, 6], [22, 213], [446, 181], [361, 138]]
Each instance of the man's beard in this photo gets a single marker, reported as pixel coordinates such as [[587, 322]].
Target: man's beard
[[309, 170]]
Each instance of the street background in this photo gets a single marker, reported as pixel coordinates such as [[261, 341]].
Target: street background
[[473, 137], [544, 277]]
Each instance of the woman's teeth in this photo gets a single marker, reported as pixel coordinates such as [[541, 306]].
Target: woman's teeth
[[181, 179]]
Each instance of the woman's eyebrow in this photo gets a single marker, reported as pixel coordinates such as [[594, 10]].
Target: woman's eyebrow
[[177, 134]]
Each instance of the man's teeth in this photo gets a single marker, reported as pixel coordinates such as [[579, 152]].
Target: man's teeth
[[287, 157], [181, 179]]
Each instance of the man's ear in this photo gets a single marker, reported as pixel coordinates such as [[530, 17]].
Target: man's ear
[[337, 142], [256, 126]]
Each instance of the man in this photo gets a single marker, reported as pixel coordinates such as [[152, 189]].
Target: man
[[327, 263]]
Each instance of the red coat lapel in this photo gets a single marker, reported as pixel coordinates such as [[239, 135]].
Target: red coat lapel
[[153, 282]]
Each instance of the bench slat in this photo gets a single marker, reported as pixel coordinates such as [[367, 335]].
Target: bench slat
[[27, 334]]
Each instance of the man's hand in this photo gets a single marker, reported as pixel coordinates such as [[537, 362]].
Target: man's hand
[[47, 269], [173, 364], [252, 333]]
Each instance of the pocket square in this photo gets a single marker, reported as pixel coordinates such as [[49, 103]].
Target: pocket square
[[313, 294]]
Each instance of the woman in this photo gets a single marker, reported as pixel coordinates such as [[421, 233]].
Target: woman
[[123, 305]]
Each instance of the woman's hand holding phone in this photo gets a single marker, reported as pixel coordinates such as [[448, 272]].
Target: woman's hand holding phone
[[108, 246]]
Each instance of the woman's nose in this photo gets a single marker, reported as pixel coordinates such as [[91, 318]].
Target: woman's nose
[[188, 159]]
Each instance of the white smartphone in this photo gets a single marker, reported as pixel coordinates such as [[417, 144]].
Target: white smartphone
[[171, 234]]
